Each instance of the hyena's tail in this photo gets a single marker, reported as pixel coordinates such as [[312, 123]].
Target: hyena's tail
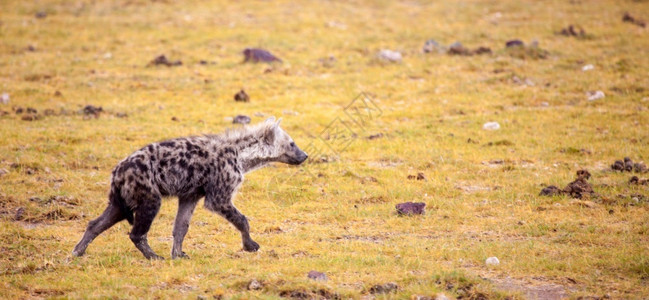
[[116, 199]]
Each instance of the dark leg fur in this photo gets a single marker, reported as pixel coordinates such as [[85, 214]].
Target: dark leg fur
[[230, 213], [144, 214], [110, 217]]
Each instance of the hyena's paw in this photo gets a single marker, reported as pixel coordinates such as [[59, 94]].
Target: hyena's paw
[[250, 246], [155, 257], [77, 253], [182, 255]]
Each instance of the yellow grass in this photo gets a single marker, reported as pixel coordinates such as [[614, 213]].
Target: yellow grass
[[332, 217]]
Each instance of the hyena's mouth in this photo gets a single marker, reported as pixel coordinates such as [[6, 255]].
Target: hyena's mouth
[[298, 159]]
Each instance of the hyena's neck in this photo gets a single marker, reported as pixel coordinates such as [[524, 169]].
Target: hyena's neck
[[252, 153]]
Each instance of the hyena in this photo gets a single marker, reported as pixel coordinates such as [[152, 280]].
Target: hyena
[[211, 166]]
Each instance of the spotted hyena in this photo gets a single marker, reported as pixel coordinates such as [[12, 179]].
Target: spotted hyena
[[211, 166]]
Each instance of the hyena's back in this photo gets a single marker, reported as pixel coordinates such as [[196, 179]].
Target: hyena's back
[[178, 167]]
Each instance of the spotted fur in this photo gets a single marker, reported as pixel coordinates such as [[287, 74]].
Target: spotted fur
[[211, 166]]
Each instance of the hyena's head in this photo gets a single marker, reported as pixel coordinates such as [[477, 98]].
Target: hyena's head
[[279, 145]]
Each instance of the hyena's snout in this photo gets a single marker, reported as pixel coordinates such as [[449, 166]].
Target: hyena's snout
[[296, 156]]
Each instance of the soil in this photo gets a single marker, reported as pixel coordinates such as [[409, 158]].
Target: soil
[[573, 30], [241, 96], [163, 60], [630, 19], [411, 208]]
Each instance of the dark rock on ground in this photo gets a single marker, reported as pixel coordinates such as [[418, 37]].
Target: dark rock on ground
[[419, 176], [638, 181], [628, 164], [91, 110], [640, 168], [630, 19], [514, 43], [375, 136], [618, 165], [19, 214], [573, 30], [318, 276], [384, 288], [241, 96], [241, 119], [550, 191], [163, 60], [580, 186], [458, 49], [41, 15], [174, 119], [411, 208], [482, 50], [259, 55], [430, 46], [255, 285]]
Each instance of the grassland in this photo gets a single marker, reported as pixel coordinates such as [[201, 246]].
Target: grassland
[[338, 216]]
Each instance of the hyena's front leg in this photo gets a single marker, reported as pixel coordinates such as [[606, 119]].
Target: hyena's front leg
[[186, 207], [230, 213]]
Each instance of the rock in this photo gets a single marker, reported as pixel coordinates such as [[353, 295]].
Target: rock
[[640, 167], [241, 119], [4, 98], [618, 165], [317, 276], [580, 186], [492, 261], [411, 208], [255, 285], [638, 181], [514, 43], [389, 55], [19, 214], [431, 46], [441, 296], [41, 15], [550, 191], [482, 50], [162, 60], [491, 126], [630, 19], [256, 55], [595, 95], [573, 30], [241, 96], [384, 288], [375, 136], [175, 119], [91, 110], [587, 67], [457, 49], [31, 117]]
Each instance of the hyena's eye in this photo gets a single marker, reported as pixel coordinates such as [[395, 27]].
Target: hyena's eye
[[292, 145]]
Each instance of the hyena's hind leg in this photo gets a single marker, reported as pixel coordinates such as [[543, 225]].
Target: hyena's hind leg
[[147, 208], [110, 217], [186, 205]]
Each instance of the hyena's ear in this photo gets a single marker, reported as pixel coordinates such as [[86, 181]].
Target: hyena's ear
[[270, 131]]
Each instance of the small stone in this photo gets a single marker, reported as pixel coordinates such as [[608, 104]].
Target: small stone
[[628, 164], [491, 126], [587, 67], [384, 288], [162, 60], [4, 98], [514, 43], [640, 167], [573, 30], [241, 119], [241, 96], [19, 214], [411, 208], [174, 119], [595, 95], [431, 46], [441, 296], [41, 15], [259, 55], [375, 136], [482, 50], [458, 49], [389, 55], [492, 261], [317, 276], [550, 191], [255, 285], [91, 110], [618, 165]]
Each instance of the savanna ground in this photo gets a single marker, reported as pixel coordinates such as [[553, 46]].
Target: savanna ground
[[336, 214]]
